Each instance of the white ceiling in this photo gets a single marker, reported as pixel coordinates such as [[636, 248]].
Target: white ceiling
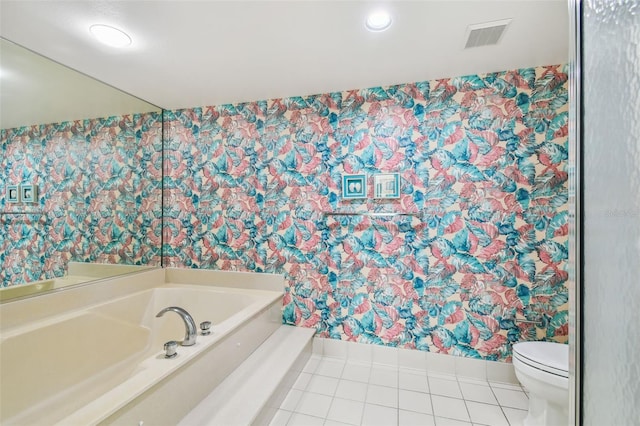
[[193, 53]]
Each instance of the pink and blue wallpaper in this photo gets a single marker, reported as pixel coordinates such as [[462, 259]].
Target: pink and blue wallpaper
[[100, 195], [482, 161]]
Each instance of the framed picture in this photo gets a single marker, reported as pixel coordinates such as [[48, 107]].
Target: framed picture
[[354, 186], [12, 194], [386, 185], [29, 193]]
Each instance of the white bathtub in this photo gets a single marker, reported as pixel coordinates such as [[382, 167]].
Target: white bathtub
[[104, 363]]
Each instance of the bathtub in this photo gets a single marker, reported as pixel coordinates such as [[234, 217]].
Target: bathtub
[[104, 363]]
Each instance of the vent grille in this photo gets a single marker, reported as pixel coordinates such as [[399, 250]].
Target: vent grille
[[485, 34]]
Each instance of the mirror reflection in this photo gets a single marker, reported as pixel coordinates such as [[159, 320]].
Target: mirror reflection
[[80, 177]]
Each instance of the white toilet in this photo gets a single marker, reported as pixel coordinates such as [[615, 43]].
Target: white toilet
[[543, 369]]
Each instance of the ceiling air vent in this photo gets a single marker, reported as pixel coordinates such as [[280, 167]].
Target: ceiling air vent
[[486, 33]]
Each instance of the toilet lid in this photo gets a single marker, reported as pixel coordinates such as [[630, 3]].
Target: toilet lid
[[547, 356]]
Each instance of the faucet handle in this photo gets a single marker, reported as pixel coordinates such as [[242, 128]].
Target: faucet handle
[[170, 349], [205, 327]]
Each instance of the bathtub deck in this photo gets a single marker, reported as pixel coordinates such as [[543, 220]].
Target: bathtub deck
[[253, 392]]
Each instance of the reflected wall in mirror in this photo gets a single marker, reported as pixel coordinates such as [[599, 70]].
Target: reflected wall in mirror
[[95, 155]]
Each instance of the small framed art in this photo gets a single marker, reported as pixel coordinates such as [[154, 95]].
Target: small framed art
[[12, 194], [386, 185], [354, 186], [29, 193]]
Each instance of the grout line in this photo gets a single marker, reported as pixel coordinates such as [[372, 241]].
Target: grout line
[[397, 370], [464, 400], [499, 405], [433, 410]]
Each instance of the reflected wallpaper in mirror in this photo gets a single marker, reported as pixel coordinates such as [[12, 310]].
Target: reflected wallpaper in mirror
[[94, 155]]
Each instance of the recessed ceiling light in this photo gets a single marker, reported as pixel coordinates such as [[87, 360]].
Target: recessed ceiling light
[[110, 36], [378, 21]]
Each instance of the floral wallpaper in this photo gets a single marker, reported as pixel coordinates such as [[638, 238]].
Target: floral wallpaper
[[99, 195], [482, 161]]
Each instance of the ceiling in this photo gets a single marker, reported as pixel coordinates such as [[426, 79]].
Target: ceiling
[[193, 53]]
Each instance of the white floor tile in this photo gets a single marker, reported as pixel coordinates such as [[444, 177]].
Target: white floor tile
[[298, 419], [501, 385], [515, 417], [312, 364], [472, 380], [477, 393], [335, 423], [346, 411], [441, 374], [334, 393], [302, 381], [449, 407], [356, 372], [486, 414], [411, 381], [314, 404], [375, 415], [410, 418], [348, 389], [323, 385], [442, 421], [414, 401], [416, 371], [444, 387], [384, 376], [291, 400], [280, 418], [512, 398], [382, 395], [330, 367]]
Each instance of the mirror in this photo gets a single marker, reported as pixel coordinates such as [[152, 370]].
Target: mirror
[[80, 177]]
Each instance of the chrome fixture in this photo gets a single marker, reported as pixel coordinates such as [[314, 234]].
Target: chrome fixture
[[170, 349], [189, 324], [205, 327], [372, 214]]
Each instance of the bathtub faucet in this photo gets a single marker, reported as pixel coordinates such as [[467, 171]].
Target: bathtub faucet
[[189, 324]]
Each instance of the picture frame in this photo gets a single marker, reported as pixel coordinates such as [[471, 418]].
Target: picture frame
[[354, 186], [29, 193], [12, 194], [386, 186]]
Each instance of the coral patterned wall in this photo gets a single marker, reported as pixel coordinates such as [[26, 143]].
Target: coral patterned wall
[[482, 161], [100, 195]]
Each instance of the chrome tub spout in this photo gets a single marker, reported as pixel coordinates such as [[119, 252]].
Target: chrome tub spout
[[189, 324]]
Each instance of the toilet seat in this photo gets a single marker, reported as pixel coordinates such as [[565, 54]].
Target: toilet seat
[[551, 358]]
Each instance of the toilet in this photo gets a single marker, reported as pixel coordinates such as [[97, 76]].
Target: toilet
[[543, 369]]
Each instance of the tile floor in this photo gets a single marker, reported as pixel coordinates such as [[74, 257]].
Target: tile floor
[[333, 392]]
